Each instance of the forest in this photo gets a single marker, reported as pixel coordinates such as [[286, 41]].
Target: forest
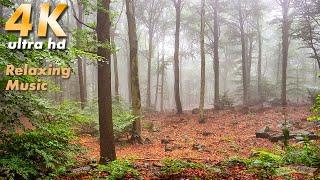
[[159, 89]]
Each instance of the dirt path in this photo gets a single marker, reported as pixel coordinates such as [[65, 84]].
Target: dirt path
[[225, 134]]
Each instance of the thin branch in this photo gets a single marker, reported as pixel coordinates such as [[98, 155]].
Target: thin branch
[[77, 19]]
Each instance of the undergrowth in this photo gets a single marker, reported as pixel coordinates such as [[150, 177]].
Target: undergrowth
[[172, 166], [267, 164], [119, 169], [44, 152]]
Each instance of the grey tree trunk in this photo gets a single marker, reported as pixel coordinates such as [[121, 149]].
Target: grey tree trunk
[[244, 60], [259, 59], [177, 4], [157, 84], [162, 83], [149, 67], [115, 68], [135, 90], [80, 61], [216, 56], [285, 48], [203, 63]]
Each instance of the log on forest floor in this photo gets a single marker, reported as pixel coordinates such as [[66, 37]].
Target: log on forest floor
[[277, 135]]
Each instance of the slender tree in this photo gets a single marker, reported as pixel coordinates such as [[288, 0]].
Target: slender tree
[[135, 90], [157, 83], [285, 5], [244, 56], [107, 145], [259, 58], [115, 67], [162, 82], [203, 63], [82, 86], [216, 54], [177, 5], [81, 78]]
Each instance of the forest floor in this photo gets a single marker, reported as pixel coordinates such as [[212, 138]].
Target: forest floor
[[225, 134]]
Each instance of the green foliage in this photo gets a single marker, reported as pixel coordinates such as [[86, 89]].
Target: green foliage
[[264, 163], [172, 166], [46, 151], [267, 164], [225, 101], [315, 110], [121, 116], [313, 94], [119, 169], [308, 155]]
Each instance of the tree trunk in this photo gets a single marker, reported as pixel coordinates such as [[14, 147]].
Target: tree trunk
[[157, 84], [85, 89], [203, 64], [80, 62], [244, 61], [315, 70], [162, 82], [285, 49], [177, 4], [216, 56], [129, 74], [135, 91], [107, 145], [149, 67], [115, 69], [249, 65], [279, 64], [259, 60]]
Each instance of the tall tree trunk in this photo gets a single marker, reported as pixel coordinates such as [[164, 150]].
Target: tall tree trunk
[[107, 145], [129, 73], [80, 62], [279, 60], [226, 68], [244, 61], [315, 70], [115, 68], [177, 4], [216, 56], [259, 59], [249, 65], [203, 64], [85, 89], [162, 82], [157, 84], [149, 67], [285, 48], [135, 91]]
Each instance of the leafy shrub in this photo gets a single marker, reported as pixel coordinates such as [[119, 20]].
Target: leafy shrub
[[308, 155], [172, 166], [121, 116], [265, 163], [119, 169], [225, 101], [315, 110], [313, 94], [37, 153]]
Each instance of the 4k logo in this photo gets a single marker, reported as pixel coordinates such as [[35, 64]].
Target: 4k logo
[[24, 11]]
